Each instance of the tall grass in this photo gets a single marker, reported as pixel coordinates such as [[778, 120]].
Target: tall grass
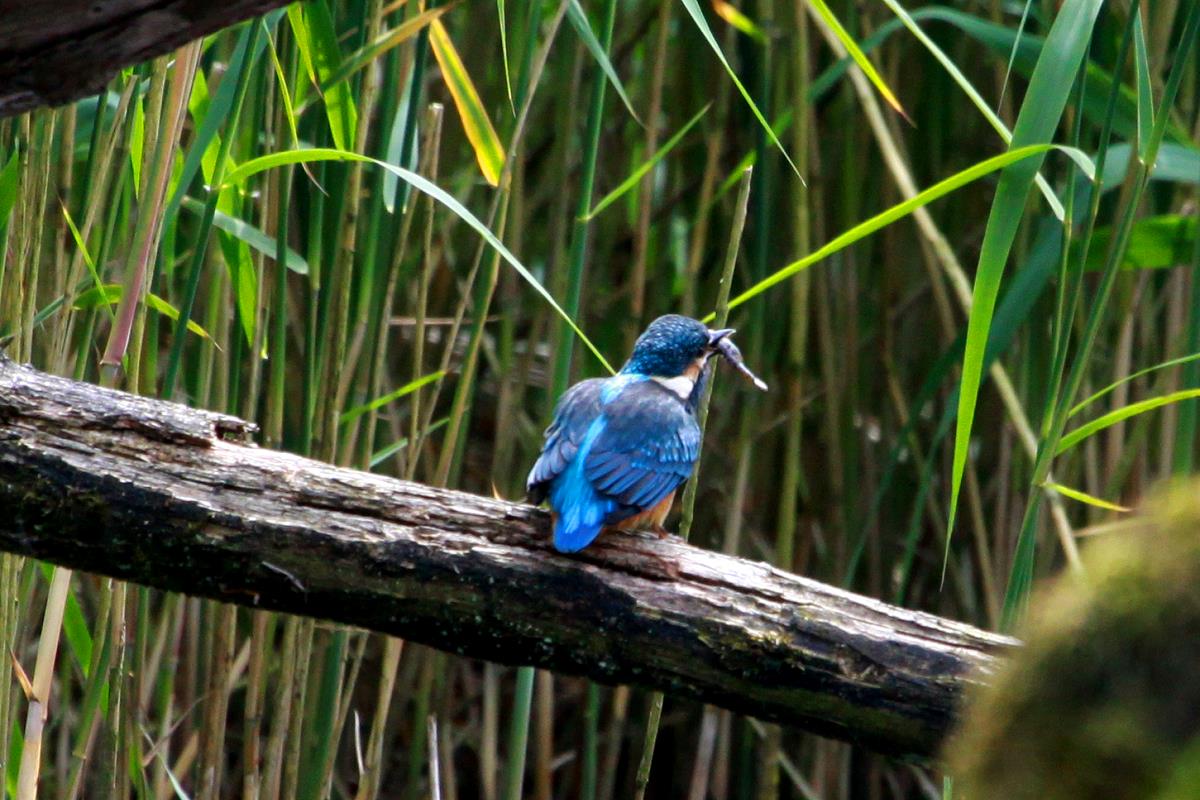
[[406, 295]]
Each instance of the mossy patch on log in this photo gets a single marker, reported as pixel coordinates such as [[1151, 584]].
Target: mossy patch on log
[[1104, 700]]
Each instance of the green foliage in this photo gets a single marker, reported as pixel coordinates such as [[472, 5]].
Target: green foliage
[[1066, 47]]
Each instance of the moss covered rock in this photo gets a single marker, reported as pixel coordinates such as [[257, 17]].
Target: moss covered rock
[[1104, 700]]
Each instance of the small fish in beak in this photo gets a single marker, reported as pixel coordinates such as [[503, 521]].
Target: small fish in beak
[[721, 343]]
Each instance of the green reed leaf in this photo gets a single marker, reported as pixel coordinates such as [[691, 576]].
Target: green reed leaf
[[645, 166], [1083, 497], [478, 127], [580, 22], [860, 58], [1060, 60], [697, 15], [257, 165], [251, 235], [380, 402], [1119, 415], [312, 25], [901, 210]]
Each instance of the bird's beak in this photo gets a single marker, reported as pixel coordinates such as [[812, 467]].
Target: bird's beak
[[715, 337], [722, 344]]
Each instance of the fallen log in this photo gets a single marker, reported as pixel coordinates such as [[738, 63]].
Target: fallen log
[[180, 499], [55, 51]]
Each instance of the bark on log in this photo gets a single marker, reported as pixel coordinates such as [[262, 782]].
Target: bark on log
[[179, 499], [54, 51]]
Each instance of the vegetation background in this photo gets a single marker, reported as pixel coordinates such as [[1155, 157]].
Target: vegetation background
[[357, 314]]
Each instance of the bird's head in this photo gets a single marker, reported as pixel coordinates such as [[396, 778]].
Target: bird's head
[[675, 350], [673, 346]]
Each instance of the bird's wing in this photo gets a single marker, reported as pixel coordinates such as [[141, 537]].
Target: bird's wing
[[575, 412], [647, 448]]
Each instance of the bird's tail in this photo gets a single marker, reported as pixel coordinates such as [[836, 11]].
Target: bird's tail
[[577, 527], [580, 517]]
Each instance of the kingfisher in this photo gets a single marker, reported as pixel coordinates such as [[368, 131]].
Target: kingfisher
[[619, 448]]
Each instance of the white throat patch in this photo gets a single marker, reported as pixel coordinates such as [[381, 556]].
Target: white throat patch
[[680, 385]]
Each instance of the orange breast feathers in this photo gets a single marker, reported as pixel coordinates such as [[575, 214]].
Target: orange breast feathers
[[650, 519], [695, 368]]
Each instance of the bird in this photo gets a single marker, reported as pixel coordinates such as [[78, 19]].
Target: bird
[[618, 448]]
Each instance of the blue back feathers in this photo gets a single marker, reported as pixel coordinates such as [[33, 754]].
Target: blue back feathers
[[616, 447]]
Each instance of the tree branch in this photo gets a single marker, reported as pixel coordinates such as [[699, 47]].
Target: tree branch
[[55, 51], [176, 498]]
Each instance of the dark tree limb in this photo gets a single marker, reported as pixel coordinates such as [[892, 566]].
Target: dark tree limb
[[55, 51], [176, 498]]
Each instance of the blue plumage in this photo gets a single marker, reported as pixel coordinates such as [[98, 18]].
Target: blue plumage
[[618, 448], [582, 510]]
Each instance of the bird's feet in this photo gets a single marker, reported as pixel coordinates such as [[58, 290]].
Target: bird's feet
[[663, 534]]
